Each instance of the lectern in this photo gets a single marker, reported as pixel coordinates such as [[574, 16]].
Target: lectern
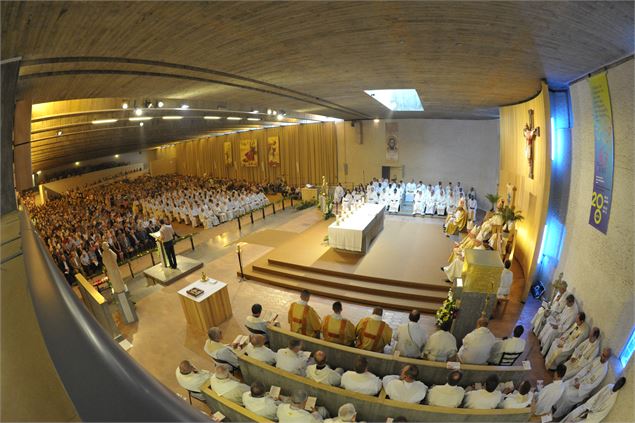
[[160, 248], [206, 303]]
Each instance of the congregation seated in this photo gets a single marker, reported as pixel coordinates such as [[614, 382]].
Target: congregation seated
[[477, 345], [190, 378], [221, 353], [485, 398], [520, 398], [294, 411], [411, 336], [583, 354], [321, 372], [405, 387], [258, 401], [292, 359], [557, 323], [345, 414], [562, 348], [550, 394], [226, 386], [372, 333], [303, 318], [448, 395], [256, 349], [596, 408], [513, 345], [441, 346], [336, 328], [360, 379]]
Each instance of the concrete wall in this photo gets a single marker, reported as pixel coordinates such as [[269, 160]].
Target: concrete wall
[[599, 266], [93, 178], [429, 150], [143, 156]]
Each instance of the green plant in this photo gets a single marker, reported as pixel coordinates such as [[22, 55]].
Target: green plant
[[329, 209], [493, 198], [447, 311], [511, 215], [306, 204]]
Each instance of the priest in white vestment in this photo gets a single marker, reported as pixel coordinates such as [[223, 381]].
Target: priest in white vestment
[[322, 372], [484, 399], [583, 384], [220, 352], [430, 203], [477, 345], [596, 408], [294, 411], [563, 347], [448, 395], [257, 350], [255, 321], [441, 346], [410, 190], [583, 354], [191, 378], [440, 203], [520, 398], [226, 386], [258, 401], [292, 359], [551, 394], [405, 387], [411, 337], [360, 379], [557, 324], [346, 413], [418, 206], [512, 345], [556, 305]]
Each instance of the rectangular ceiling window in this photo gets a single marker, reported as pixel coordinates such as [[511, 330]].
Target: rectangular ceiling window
[[403, 100]]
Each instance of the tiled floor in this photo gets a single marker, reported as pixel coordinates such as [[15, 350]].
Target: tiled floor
[[161, 338]]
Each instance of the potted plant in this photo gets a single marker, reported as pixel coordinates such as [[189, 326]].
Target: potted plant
[[510, 217], [493, 198]]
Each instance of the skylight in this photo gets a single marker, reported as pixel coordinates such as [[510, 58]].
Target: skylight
[[403, 100]]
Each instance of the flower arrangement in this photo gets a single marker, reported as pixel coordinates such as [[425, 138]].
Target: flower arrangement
[[306, 204], [448, 310], [329, 209]]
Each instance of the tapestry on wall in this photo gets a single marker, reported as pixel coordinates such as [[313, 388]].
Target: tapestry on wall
[[273, 151], [392, 147], [604, 155], [227, 150], [249, 153]]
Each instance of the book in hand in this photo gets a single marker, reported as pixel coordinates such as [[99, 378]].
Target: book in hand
[[240, 341], [270, 316], [389, 420], [218, 416], [274, 392], [310, 403], [526, 365]]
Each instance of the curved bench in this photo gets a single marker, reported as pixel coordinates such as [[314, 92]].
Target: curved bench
[[432, 372], [232, 411], [370, 408]]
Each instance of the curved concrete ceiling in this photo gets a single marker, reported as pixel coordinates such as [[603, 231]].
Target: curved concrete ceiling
[[464, 58]]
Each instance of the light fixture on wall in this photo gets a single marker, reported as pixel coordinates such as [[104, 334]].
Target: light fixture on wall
[[39, 172], [273, 112], [140, 123], [269, 111], [138, 111], [124, 105], [234, 118], [254, 111], [211, 117], [139, 119], [172, 117], [376, 120], [76, 163], [116, 156], [102, 121], [253, 119], [280, 117], [160, 103], [184, 106]]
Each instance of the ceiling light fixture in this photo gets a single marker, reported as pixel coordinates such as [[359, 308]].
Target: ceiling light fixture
[[253, 119], [39, 172], [273, 112], [269, 111], [280, 117], [116, 156], [140, 123], [172, 117], [138, 111], [185, 106], [254, 111], [124, 105], [376, 120], [211, 117], [76, 163], [139, 119], [234, 118], [100, 121], [160, 103], [59, 133]]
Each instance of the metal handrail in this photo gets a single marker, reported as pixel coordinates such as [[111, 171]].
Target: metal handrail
[[102, 380]]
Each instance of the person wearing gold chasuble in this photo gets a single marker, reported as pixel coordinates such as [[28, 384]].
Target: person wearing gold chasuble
[[303, 318]]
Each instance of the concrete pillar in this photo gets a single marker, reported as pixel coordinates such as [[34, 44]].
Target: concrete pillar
[[22, 145], [9, 76]]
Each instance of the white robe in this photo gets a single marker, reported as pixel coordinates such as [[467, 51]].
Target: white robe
[[263, 406], [441, 346], [562, 320], [288, 360], [418, 206], [400, 390], [516, 400], [229, 388], [454, 270], [288, 414], [411, 338], [570, 339], [482, 400], [597, 407], [548, 397], [219, 351], [326, 375], [581, 357], [588, 378], [446, 396], [477, 346], [430, 205], [364, 383], [557, 303], [193, 381], [510, 345], [262, 353]]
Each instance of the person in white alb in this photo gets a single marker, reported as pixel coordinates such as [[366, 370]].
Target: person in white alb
[[405, 387], [294, 411], [512, 345], [361, 380], [521, 398], [550, 394], [555, 306], [583, 384], [563, 347], [322, 372], [557, 323], [507, 277], [596, 408], [411, 336], [258, 401], [477, 345], [484, 399], [448, 395], [583, 354], [257, 350], [191, 378], [226, 386], [255, 322], [292, 359], [441, 346], [221, 353], [338, 196], [346, 413]]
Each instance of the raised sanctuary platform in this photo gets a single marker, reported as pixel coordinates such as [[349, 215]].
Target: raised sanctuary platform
[[167, 275], [400, 270]]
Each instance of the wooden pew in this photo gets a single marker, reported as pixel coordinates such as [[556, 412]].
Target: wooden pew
[[232, 411], [370, 408], [432, 372]]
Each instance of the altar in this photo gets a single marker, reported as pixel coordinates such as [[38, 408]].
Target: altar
[[205, 303], [356, 231]]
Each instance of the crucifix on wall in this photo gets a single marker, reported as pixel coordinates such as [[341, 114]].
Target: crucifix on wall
[[530, 133]]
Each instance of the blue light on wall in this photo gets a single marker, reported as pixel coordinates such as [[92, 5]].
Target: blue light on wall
[[552, 239], [628, 349]]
